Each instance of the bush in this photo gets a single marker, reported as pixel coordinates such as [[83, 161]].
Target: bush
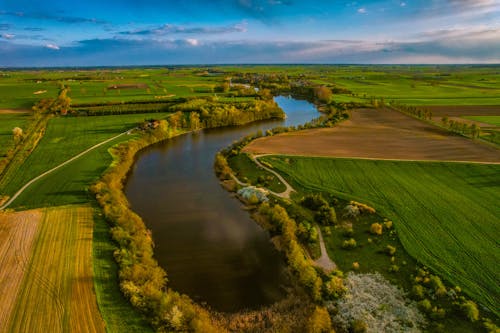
[[425, 305], [359, 326], [418, 291], [390, 250], [470, 310], [376, 229], [355, 265], [349, 244], [320, 321], [334, 288], [313, 201], [388, 224]]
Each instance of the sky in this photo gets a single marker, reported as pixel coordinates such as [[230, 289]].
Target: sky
[[166, 32]]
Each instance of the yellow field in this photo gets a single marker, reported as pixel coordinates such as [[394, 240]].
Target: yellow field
[[57, 292]]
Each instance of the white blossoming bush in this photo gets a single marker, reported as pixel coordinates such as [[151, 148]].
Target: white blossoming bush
[[370, 298], [252, 193]]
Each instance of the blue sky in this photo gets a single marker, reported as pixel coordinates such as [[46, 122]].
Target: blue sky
[[142, 32]]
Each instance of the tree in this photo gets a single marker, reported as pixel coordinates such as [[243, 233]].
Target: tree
[[376, 229], [17, 132], [320, 321], [323, 94], [194, 121], [175, 120]]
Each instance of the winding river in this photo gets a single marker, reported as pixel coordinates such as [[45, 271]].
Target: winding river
[[210, 247]]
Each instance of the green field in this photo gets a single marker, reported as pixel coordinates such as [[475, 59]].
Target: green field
[[446, 214], [66, 137], [493, 120], [7, 122]]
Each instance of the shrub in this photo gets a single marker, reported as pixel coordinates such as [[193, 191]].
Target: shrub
[[367, 298], [390, 250], [349, 244], [326, 215], [418, 291], [351, 211], [313, 201], [470, 310], [358, 326], [320, 321], [376, 229], [425, 305], [394, 268], [335, 288], [388, 224], [355, 265]]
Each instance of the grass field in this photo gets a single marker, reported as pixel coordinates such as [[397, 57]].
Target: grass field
[[7, 122], [57, 291], [446, 214], [493, 120], [65, 138]]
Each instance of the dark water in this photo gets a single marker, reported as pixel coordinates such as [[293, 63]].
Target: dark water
[[210, 247]]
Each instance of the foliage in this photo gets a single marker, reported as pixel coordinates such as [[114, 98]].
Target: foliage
[[381, 306], [319, 322], [376, 229]]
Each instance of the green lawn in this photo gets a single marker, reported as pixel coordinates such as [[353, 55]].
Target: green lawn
[[446, 214], [493, 120], [7, 123], [65, 137], [247, 171]]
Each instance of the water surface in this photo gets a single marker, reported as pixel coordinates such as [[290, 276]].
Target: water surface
[[210, 247]]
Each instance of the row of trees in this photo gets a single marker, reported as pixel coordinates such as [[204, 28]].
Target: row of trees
[[142, 280], [412, 110], [472, 130]]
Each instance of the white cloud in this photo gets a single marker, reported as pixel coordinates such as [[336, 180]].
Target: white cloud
[[52, 46], [362, 10], [403, 4], [192, 42], [7, 36]]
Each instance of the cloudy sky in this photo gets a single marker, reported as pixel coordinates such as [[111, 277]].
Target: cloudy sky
[[142, 32]]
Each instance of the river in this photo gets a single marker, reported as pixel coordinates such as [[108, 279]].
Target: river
[[210, 247]]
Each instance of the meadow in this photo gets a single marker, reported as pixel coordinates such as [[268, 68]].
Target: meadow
[[56, 293], [7, 122], [445, 214], [65, 137]]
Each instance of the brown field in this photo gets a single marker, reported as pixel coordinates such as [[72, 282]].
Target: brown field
[[464, 110], [17, 234], [13, 111], [128, 86], [57, 291], [378, 134]]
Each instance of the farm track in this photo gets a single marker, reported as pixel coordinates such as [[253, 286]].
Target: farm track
[[56, 293]]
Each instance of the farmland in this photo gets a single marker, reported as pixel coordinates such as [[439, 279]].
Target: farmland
[[56, 288], [9, 120], [492, 120], [382, 134], [453, 235], [65, 138]]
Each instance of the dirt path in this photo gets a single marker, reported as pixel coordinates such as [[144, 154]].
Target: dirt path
[[289, 189], [378, 134], [28, 184], [324, 261]]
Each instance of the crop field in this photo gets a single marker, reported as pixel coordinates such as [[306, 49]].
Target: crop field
[[56, 288], [492, 120], [381, 134], [65, 138], [446, 214], [21, 89], [17, 234], [9, 120]]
